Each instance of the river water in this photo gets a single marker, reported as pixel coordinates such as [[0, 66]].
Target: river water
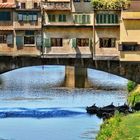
[[34, 107]]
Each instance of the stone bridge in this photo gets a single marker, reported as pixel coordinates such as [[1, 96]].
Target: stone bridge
[[128, 70]]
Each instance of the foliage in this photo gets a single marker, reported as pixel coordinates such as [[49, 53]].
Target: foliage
[[133, 98], [110, 4], [109, 127], [131, 85], [121, 128]]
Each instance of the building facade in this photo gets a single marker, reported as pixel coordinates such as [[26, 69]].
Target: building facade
[[69, 29]]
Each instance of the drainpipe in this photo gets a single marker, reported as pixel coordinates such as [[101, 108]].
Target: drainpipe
[[94, 34]]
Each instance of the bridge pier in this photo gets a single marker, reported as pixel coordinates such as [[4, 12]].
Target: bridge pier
[[76, 77]]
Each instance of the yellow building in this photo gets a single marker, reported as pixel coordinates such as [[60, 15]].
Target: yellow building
[[130, 33]]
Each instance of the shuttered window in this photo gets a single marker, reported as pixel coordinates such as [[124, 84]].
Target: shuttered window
[[51, 18], [56, 42], [82, 19], [27, 17], [107, 42], [106, 18], [62, 18], [82, 42], [3, 38]]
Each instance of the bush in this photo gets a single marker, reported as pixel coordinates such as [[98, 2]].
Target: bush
[[131, 85], [110, 4]]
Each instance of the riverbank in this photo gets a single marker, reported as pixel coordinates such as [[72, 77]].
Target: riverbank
[[121, 126]]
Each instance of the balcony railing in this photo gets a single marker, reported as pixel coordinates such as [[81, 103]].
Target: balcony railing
[[57, 6]]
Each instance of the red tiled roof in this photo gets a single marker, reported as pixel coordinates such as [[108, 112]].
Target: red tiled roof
[[7, 5]]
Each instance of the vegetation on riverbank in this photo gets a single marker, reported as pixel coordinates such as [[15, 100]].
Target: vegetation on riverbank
[[134, 96], [123, 127]]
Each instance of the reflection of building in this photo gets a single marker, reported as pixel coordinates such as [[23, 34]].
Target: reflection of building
[[67, 28], [6, 26]]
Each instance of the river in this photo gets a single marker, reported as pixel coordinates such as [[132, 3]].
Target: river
[[34, 107]]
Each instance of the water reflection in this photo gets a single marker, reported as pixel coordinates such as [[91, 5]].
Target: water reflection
[[33, 92]]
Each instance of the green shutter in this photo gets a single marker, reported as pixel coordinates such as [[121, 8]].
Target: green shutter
[[97, 18], [64, 18], [112, 18], [60, 18], [47, 42], [100, 18], [83, 19], [74, 43], [19, 41], [76, 18], [88, 19], [109, 18], [80, 19], [116, 18], [10, 39], [39, 41]]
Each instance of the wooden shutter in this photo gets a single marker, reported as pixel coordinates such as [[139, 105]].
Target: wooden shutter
[[80, 19], [47, 42], [76, 18], [39, 41], [10, 39], [97, 18], [116, 18], [19, 41], [74, 43], [83, 19], [88, 19], [20, 17]]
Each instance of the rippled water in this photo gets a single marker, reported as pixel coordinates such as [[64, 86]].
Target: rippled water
[[33, 107]]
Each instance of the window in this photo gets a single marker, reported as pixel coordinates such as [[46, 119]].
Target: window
[[51, 18], [82, 42], [5, 16], [76, 0], [27, 17], [106, 18], [23, 5], [3, 38], [82, 19], [35, 5], [62, 18], [29, 37], [56, 42], [107, 42]]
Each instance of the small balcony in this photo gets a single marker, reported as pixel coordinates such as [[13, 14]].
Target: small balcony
[[65, 6]]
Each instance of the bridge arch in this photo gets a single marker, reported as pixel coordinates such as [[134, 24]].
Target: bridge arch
[[128, 70]]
